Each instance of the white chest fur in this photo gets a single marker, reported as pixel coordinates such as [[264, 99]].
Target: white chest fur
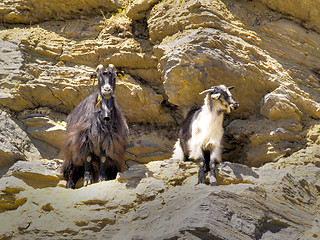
[[206, 132]]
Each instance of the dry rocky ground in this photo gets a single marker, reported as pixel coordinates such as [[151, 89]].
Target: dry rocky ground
[[169, 50]]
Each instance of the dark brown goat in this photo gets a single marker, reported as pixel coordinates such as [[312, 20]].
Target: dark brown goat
[[96, 134]]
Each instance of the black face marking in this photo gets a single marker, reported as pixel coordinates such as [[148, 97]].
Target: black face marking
[[226, 99], [107, 82], [106, 87]]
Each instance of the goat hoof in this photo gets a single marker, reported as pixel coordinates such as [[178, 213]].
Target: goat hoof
[[70, 185], [214, 183], [86, 183], [201, 183], [101, 179], [200, 180]]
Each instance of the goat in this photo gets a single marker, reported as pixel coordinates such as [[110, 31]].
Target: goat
[[201, 131], [96, 134]]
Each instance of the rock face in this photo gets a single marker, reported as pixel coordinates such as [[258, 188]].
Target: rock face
[[30, 12], [169, 51]]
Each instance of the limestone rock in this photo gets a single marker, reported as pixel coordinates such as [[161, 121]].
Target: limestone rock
[[11, 59], [147, 147], [234, 174], [266, 141], [276, 107], [289, 103], [313, 134], [149, 189], [137, 9], [164, 196], [34, 174], [187, 70], [15, 143], [28, 12], [10, 187], [169, 17], [140, 103], [41, 127], [306, 11]]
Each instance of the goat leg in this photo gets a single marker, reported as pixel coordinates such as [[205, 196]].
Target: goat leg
[[70, 184], [201, 169], [102, 169], [214, 159], [74, 176], [87, 178]]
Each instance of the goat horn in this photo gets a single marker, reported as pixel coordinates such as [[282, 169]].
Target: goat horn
[[208, 90], [100, 67]]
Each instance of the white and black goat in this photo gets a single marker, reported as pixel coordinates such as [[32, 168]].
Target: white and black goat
[[201, 131], [96, 134]]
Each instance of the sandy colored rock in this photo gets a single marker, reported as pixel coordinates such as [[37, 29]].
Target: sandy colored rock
[[277, 106], [188, 71], [147, 147], [137, 10], [267, 140], [34, 174], [9, 199], [15, 143], [45, 129], [140, 103], [11, 59], [303, 10], [30, 12], [185, 206], [289, 103], [169, 17]]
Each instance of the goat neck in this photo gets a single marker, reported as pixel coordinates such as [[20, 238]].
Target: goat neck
[[106, 108]]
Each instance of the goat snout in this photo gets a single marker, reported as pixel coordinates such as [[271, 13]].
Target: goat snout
[[106, 92], [234, 106]]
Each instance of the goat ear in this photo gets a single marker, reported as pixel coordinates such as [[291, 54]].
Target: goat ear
[[93, 78], [215, 96], [120, 74], [230, 88]]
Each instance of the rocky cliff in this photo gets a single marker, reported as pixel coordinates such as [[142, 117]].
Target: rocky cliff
[[169, 50]]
